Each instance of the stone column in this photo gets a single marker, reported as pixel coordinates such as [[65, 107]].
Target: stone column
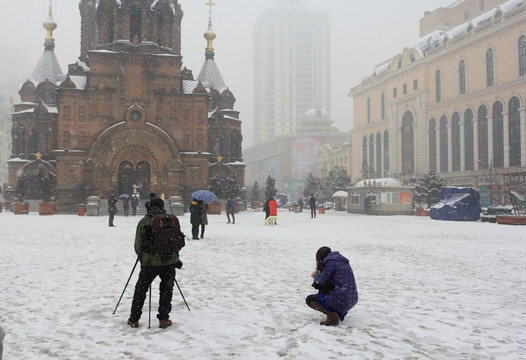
[[506, 140], [490, 139], [437, 140], [462, 146], [523, 136], [476, 143], [449, 148]]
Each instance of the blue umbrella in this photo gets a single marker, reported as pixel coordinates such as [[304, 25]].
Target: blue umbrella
[[204, 195]]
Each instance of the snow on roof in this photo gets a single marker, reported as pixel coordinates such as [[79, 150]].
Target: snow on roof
[[380, 69], [189, 86], [511, 5], [210, 76], [430, 41], [80, 81], [383, 182], [47, 68], [458, 30], [105, 51]]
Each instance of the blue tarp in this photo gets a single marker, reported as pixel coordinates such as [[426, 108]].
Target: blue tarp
[[457, 204]]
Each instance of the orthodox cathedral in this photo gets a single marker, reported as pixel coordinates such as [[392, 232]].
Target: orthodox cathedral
[[126, 113]]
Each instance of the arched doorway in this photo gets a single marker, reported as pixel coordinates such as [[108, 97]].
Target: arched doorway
[[125, 178], [143, 176], [129, 176]]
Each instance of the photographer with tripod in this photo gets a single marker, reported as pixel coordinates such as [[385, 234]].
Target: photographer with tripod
[[156, 260]]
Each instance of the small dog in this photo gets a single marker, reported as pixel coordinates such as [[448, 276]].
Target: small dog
[[271, 220]]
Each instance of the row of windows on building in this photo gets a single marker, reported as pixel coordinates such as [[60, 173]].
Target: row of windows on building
[[490, 70], [481, 140], [481, 130], [490, 78]]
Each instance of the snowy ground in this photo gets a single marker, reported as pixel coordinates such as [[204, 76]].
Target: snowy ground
[[428, 290]]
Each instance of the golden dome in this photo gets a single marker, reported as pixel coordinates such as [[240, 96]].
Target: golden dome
[[50, 24]]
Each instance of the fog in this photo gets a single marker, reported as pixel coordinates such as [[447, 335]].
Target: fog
[[363, 34]]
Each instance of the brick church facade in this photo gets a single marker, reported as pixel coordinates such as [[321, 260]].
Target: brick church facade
[[127, 111]]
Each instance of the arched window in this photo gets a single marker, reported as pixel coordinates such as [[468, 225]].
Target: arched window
[[408, 142], [468, 140], [386, 152], [498, 135], [136, 23], [490, 68], [382, 101], [455, 141], [515, 132], [371, 152], [522, 55], [483, 137], [432, 146], [379, 154], [443, 144], [438, 86], [368, 110], [462, 77]]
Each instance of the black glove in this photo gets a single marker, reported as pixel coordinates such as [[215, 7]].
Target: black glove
[[179, 264], [323, 288]]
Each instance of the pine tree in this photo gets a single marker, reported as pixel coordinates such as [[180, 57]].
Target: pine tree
[[217, 184], [255, 191], [270, 188], [428, 189], [232, 186], [311, 186], [338, 179]]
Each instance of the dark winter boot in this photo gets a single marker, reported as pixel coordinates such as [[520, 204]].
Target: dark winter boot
[[332, 316], [165, 323], [133, 324]]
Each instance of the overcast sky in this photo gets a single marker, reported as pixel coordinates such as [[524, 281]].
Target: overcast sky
[[364, 33]]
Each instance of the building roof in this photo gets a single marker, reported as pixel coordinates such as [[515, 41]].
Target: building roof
[[210, 76], [47, 68]]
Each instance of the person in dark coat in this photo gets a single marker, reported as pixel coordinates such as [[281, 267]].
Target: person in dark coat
[[312, 204], [231, 210], [300, 204], [334, 280], [266, 209], [126, 205], [112, 209], [195, 218], [134, 204], [153, 265], [204, 217]]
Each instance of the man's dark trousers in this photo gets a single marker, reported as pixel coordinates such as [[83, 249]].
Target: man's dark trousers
[[146, 276]]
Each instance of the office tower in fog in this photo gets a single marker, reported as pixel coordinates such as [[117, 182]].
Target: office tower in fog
[[291, 67]]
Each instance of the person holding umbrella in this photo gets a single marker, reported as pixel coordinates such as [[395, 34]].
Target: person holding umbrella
[[195, 218]]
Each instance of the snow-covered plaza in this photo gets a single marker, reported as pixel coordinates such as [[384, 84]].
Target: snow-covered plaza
[[428, 289]]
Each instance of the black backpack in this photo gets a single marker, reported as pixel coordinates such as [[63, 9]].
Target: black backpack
[[167, 238]]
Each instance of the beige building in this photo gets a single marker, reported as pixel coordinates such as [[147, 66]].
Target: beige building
[[330, 157], [453, 103]]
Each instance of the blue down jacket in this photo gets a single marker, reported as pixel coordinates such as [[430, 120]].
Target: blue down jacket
[[343, 294]]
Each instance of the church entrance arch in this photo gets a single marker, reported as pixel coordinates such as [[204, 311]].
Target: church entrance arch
[[125, 178], [129, 175], [143, 176]]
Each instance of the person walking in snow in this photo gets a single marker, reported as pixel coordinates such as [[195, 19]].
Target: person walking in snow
[[266, 209], [300, 204], [134, 204], [126, 205], [112, 209], [195, 218], [312, 204], [204, 217], [334, 280], [230, 210], [153, 265]]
